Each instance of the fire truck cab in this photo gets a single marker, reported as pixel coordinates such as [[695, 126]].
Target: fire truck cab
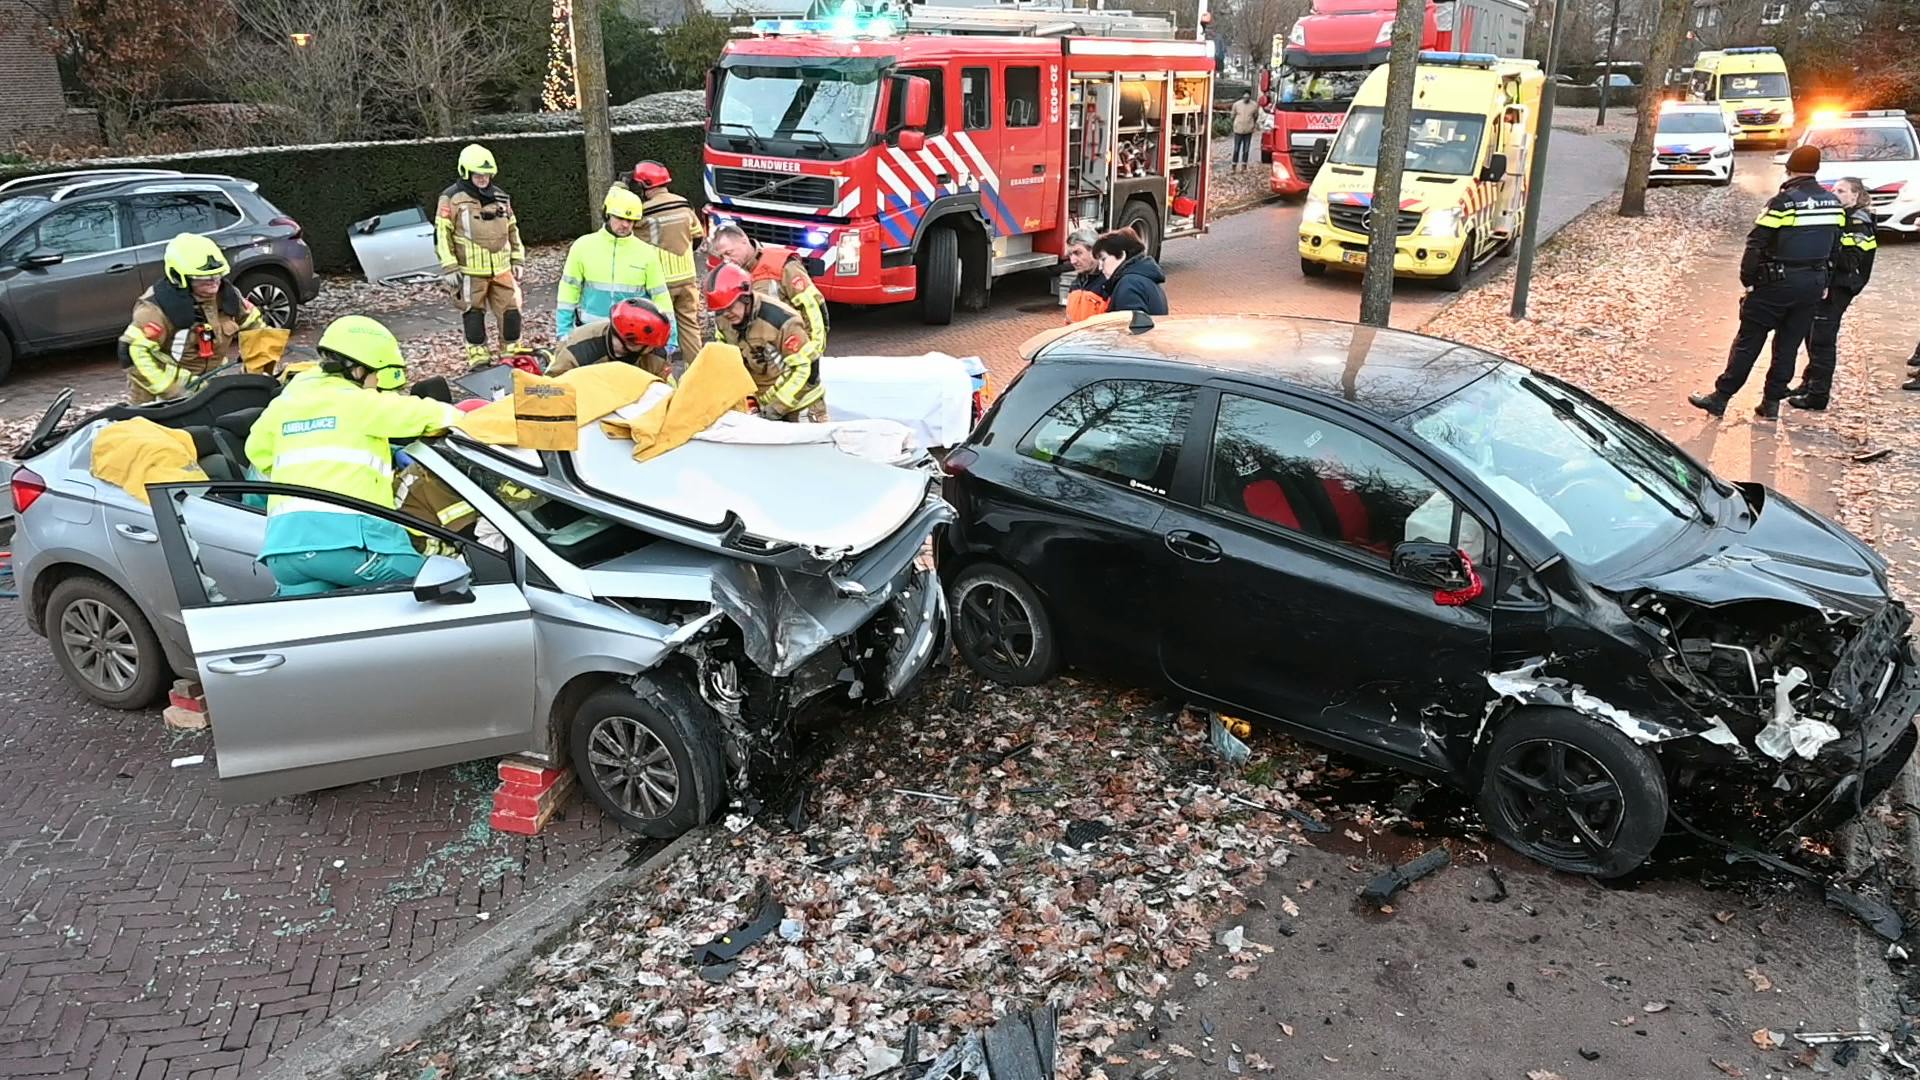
[[920, 166]]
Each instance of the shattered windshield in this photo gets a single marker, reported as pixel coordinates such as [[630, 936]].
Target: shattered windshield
[[827, 104], [1595, 484], [1437, 142]]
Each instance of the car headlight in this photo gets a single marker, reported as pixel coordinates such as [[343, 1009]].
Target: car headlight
[[1786, 117], [846, 254], [1724, 153], [1441, 223], [1315, 211]]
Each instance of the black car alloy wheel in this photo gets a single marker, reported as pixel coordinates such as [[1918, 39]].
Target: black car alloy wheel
[[1001, 628], [1573, 792], [1559, 798]]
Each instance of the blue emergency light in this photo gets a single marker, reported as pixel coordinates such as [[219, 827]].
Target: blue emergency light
[[1748, 50], [841, 27], [1459, 59]]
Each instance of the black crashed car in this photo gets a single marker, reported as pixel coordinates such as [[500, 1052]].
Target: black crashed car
[[1421, 553]]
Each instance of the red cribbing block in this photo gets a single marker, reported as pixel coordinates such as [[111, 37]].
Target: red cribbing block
[[187, 694], [528, 796], [528, 774]]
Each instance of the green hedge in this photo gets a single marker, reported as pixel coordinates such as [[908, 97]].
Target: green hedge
[[328, 188]]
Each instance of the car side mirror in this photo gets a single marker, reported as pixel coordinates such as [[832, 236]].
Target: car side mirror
[[442, 580], [1496, 168], [1443, 568], [912, 140], [43, 257]]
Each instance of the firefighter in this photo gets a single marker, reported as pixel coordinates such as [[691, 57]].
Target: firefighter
[[478, 239], [778, 274], [187, 325], [1785, 270], [1852, 268], [330, 429], [637, 332], [608, 266], [773, 341], [673, 226]]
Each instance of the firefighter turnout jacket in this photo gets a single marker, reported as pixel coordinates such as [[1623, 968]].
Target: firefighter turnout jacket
[[1853, 264], [1799, 228], [673, 226], [592, 344], [475, 231], [780, 275], [779, 355], [174, 336], [602, 270]]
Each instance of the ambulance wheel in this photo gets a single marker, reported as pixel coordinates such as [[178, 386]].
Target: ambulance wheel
[[1309, 268], [1456, 278], [1140, 216], [939, 284]]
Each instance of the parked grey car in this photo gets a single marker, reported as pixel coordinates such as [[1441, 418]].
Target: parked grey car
[[78, 248], [660, 625]]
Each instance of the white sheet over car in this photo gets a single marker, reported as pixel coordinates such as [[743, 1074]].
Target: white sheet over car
[[811, 494], [932, 393]]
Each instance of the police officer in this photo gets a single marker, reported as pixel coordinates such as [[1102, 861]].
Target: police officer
[[673, 226], [609, 265], [1785, 270], [1852, 268], [637, 332], [186, 325], [329, 429], [780, 275], [773, 341], [478, 239]]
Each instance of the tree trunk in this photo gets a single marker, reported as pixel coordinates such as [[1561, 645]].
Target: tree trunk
[[1666, 42], [1376, 289], [1537, 167], [590, 76]]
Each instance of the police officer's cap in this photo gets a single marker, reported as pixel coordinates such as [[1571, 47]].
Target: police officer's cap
[[1804, 159]]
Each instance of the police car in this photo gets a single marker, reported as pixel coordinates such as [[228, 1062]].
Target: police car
[[1692, 142], [1879, 147]]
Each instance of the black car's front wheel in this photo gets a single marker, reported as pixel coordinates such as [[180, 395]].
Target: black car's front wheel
[[1001, 627], [1573, 792], [650, 756]]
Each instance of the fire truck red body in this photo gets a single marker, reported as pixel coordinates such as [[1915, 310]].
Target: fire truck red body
[[1319, 67], [920, 167]]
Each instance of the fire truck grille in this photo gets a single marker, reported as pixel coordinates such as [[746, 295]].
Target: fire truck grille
[[766, 232], [1758, 116], [1354, 219], [756, 184], [1700, 158], [1304, 166]]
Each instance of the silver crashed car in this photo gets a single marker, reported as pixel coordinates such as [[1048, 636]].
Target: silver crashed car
[[659, 625]]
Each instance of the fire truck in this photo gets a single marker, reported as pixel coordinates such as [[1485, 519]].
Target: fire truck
[[918, 157], [1318, 68]]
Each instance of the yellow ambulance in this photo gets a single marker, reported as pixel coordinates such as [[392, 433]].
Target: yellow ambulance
[[1464, 193], [1751, 87]]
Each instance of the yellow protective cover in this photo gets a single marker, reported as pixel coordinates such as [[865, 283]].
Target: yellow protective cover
[[715, 384], [598, 390], [133, 453]]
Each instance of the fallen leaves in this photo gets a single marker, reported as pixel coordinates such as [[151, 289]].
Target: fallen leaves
[[1767, 1040], [1729, 1068], [1761, 984]]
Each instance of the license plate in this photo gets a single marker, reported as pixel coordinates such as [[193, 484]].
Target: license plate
[[1356, 258], [1686, 168]]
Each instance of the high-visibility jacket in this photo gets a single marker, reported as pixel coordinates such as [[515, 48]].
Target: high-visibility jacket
[[475, 231], [1853, 265], [327, 433], [173, 336], [673, 226], [1798, 228], [773, 342], [602, 270], [591, 344], [780, 275]]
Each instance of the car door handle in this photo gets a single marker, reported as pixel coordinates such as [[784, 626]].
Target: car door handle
[[1193, 546], [248, 664], [119, 268], [137, 534]]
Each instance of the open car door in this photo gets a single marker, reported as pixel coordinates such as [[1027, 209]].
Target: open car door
[[314, 692]]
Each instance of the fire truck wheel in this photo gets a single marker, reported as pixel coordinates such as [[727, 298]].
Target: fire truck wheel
[[1139, 216], [1309, 268], [939, 283]]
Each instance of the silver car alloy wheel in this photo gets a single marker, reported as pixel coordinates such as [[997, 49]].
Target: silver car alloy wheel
[[634, 768], [100, 644], [274, 301]]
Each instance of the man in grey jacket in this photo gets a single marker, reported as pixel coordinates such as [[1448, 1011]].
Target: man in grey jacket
[[1246, 121]]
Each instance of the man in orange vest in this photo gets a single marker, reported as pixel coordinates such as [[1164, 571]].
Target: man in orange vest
[[778, 274]]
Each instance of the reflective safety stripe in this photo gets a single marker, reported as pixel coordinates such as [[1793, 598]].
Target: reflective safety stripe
[[453, 512], [333, 455], [1783, 219], [1864, 243]]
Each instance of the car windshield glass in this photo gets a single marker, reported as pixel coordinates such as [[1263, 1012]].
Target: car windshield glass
[[824, 104], [16, 210], [1296, 84], [1692, 123], [1764, 85], [1437, 142], [1886, 143], [1594, 483]]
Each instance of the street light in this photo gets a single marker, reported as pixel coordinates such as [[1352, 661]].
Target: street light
[[300, 41]]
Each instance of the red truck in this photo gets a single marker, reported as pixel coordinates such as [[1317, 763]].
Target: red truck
[[1319, 67], [920, 166]]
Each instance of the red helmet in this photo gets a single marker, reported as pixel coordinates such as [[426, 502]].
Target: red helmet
[[651, 174], [641, 325], [726, 284]]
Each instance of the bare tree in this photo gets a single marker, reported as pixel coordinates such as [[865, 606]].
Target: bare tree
[[1667, 37], [1376, 286], [1253, 24], [309, 61], [435, 52]]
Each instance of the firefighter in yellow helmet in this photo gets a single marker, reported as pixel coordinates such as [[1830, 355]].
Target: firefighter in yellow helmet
[[478, 239], [673, 226], [330, 429], [186, 325], [610, 265]]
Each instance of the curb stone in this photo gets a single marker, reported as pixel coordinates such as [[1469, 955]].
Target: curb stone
[[430, 995]]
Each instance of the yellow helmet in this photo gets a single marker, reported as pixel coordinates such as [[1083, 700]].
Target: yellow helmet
[[190, 255], [364, 341], [624, 204], [476, 159]]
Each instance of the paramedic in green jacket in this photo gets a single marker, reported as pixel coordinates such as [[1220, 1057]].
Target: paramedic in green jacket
[[330, 429], [611, 265]]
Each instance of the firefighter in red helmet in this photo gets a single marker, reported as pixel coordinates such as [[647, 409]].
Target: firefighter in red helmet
[[772, 339], [636, 332]]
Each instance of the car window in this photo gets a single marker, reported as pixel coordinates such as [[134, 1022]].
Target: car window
[[1127, 431], [1298, 472], [1023, 97], [162, 216], [976, 98], [579, 536], [1881, 143], [936, 102], [88, 229]]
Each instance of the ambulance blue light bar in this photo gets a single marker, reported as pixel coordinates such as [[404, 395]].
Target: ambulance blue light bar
[[1749, 50], [1459, 59], [844, 27]]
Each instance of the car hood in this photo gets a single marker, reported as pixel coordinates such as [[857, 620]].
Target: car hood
[[1789, 553]]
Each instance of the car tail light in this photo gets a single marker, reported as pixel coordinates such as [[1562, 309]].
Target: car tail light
[[27, 489], [283, 219], [959, 460]]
